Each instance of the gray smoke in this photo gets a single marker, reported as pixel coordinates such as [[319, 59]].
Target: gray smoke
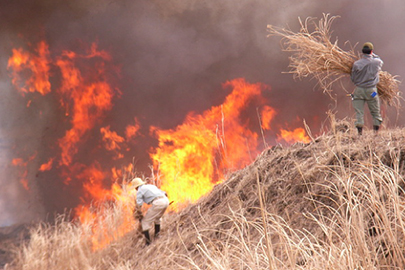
[[174, 56]]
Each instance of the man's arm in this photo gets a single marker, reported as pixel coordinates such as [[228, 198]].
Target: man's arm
[[139, 197], [352, 73], [138, 212], [138, 207], [378, 58]]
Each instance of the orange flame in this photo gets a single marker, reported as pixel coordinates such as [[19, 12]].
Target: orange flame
[[132, 130], [297, 135], [91, 97], [86, 95], [101, 229], [190, 159], [267, 115], [17, 161], [23, 171], [46, 166], [38, 64], [119, 173], [196, 155], [112, 141], [96, 217]]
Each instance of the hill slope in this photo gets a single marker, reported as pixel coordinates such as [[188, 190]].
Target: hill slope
[[335, 203]]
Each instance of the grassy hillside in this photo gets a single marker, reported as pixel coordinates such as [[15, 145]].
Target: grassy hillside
[[335, 203]]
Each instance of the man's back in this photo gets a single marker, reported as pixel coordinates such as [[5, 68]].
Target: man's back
[[365, 71]]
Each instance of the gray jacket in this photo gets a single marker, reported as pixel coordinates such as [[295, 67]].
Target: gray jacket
[[147, 193], [365, 71]]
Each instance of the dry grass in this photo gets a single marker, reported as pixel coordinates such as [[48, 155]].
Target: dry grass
[[315, 56], [335, 203], [62, 246]]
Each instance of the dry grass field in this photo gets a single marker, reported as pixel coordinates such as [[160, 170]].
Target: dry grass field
[[335, 203]]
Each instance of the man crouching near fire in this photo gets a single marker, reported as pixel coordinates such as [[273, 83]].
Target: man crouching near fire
[[152, 195]]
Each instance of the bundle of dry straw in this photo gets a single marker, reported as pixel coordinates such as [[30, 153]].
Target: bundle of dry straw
[[317, 57]]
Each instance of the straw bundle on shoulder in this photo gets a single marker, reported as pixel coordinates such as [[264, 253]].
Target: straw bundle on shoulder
[[317, 57]]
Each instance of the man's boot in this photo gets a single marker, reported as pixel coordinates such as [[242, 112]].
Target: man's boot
[[157, 230], [147, 237], [360, 130], [376, 128]]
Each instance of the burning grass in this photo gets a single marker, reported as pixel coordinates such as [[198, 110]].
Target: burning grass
[[315, 56], [334, 203]]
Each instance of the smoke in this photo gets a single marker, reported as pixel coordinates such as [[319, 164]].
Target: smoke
[[173, 58], [18, 131]]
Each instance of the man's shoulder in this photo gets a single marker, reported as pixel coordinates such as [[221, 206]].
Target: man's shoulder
[[365, 60], [148, 186], [378, 59], [359, 62]]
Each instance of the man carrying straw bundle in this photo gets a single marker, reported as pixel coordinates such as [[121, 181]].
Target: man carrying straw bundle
[[315, 56], [365, 75]]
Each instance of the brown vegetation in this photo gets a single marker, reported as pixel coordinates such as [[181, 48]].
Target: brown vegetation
[[315, 56], [10, 237], [334, 203]]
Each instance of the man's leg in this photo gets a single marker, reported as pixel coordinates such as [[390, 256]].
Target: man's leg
[[147, 237], [374, 107], [358, 105], [146, 224], [157, 230], [154, 213]]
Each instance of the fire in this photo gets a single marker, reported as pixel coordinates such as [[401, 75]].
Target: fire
[[268, 114], [196, 155], [117, 174], [90, 97], [103, 232], [46, 166], [23, 171], [131, 131], [188, 161], [112, 141], [98, 215], [17, 161], [37, 63], [297, 135], [85, 94]]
